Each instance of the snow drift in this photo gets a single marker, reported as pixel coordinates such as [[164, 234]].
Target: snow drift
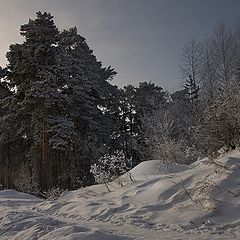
[[202, 199], [206, 191]]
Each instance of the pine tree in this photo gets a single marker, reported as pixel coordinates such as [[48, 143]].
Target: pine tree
[[192, 90], [148, 98], [5, 129], [57, 92], [41, 106], [90, 95], [127, 119]]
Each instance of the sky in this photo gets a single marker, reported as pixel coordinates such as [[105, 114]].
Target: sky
[[141, 39]]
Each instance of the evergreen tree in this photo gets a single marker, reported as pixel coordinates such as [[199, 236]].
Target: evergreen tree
[[148, 99], [192, 91], [57, 92], [127, 112], [90, 94]]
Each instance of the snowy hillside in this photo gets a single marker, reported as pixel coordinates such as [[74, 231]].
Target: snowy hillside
[[200, 201]]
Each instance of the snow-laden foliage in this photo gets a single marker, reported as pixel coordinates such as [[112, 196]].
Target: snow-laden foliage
[[52, 194], [166, 139], [59, 113], [219, 124], [110, 167], [54, 86]]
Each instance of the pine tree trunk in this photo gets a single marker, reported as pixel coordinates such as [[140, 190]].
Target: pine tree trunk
[[68, 184], [44, 166], [8, 166]]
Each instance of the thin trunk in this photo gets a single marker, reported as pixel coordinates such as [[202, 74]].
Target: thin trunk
[[44, 174]]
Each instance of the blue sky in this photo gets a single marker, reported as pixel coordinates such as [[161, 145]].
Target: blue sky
[[141, 39]]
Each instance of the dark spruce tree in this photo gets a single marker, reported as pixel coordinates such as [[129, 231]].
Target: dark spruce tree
[[192, 91]]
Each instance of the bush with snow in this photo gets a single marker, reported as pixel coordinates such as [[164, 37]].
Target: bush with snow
[[165, 140], [53, 194], [109, 167]]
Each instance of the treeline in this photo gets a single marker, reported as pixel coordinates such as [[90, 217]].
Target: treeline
[[60, 113], [214, 65]]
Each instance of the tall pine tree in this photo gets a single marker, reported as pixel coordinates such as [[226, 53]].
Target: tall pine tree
[[57, 92]]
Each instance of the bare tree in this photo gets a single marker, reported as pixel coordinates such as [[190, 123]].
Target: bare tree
[[191, 61], [160, 131], [224, 52], [220, 122], [208, 74]]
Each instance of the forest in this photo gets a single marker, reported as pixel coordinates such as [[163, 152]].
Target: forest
[[61, 115]]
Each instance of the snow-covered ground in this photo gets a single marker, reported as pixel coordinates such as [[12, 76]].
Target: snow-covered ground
[[200, 201]]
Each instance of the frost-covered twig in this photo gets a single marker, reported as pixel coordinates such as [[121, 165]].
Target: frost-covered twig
[[52, 194], [110, 167]]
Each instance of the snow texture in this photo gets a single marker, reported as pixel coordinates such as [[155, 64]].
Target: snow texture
[[200, 201]]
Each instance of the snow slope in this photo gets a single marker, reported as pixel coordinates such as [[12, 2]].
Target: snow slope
[[200, 201], [19, 220]]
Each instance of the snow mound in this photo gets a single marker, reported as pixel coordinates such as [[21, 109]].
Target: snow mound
[[12, 194], [202, 200], [156, 167], [186, 197]]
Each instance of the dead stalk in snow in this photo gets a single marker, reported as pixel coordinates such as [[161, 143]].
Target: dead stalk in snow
[[226, 189], [186, 191], [216, 163]]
